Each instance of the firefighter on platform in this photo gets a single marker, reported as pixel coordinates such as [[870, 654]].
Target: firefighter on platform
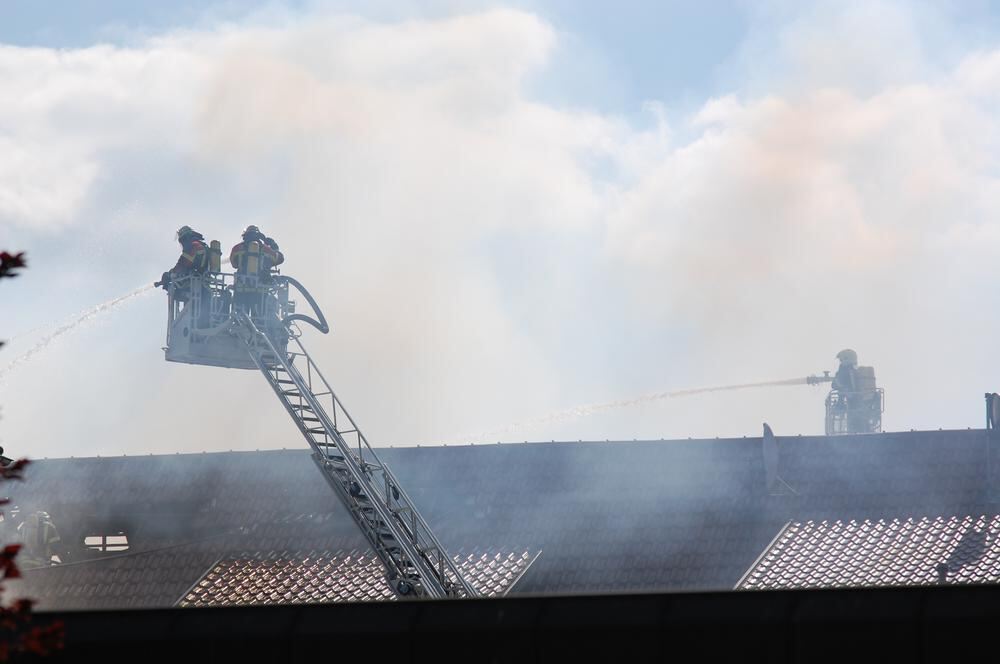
[[272, 260], [194, 260], [254, 260], [845, 378], [241, 255]]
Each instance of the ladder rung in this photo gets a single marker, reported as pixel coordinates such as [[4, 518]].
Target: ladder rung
[[395, 530]]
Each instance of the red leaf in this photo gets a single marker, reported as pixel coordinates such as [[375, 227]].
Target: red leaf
[[15, 471], [7, 565], [11, 262]]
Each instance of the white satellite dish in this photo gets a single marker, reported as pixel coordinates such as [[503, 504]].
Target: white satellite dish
[[770, 448], [775, 485]]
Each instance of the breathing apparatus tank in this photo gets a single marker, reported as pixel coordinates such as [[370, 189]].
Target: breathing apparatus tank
[[253, 258], [214, 256]]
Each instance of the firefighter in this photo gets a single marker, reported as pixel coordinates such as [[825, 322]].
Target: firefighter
[[194, 257], [195, 260], [241, 257], [254, 260], [40, 540], [844, 380], [272, 260]]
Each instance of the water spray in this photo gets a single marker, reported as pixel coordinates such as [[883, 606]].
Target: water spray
[[72, 324], [591, 409]]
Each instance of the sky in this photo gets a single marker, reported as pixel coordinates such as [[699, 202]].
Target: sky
[[505, 210]]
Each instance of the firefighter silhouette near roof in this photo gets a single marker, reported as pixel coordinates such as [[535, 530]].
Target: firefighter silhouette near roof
[[855, 403]]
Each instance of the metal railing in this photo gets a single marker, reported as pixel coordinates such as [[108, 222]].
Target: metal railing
[[854, 412]]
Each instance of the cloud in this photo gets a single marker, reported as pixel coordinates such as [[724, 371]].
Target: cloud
[[840, 214], [65, 110], [485, 257], [379, 185]]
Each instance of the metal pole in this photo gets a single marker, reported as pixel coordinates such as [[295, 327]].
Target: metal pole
[[989, 445]]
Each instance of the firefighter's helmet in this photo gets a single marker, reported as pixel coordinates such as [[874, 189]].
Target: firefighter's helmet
[[848, 356], [186, 231], [251, 233]]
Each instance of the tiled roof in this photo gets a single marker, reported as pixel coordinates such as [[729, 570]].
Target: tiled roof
[[324, 577], [137, 580], [609, 516], [897, 552]]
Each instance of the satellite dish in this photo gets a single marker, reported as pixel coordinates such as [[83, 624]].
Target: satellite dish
[[770, 449]]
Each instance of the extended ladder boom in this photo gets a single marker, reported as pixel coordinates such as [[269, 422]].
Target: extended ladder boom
[[416, 562]]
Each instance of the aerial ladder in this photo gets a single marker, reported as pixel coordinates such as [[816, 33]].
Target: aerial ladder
[[246, 322]]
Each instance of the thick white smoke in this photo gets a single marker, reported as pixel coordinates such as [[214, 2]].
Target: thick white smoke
[[486, 257]]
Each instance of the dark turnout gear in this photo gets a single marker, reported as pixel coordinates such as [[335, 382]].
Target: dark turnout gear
[[855, 402], [40, 539], [845, 379], [254, 259], [194, 259], [272, 261]]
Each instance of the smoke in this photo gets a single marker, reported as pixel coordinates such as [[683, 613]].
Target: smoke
[[483, 254]]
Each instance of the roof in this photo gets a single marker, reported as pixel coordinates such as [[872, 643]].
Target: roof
[[896, 552], [606, 516], [307, 577]]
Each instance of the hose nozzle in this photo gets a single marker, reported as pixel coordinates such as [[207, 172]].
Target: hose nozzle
[[816, 380]]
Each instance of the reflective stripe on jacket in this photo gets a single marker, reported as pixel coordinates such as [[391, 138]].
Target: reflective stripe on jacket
[[194, 258]]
